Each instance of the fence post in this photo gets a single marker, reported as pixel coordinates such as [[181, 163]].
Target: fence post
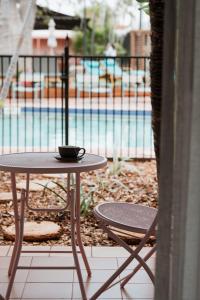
[[66, 89]]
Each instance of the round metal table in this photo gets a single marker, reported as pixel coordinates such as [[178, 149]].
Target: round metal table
[[45, 163]]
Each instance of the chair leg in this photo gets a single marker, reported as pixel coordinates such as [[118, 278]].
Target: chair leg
[[106, 285], [134, 254], [129, 276]]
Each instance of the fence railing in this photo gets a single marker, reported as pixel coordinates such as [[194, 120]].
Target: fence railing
[[100, 103]]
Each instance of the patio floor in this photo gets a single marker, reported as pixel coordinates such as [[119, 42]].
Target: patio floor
[[63, 284]]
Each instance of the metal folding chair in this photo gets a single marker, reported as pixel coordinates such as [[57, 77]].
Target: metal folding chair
[[116, 217]]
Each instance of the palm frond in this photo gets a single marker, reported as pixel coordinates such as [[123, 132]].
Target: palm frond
[[144, 5], [143, 1]]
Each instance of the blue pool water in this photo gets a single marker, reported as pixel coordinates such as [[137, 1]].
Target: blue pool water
[[125, 132]]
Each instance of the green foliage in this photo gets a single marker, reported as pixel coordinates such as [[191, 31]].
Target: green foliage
[[78, 42], [109, 183], [99, 32], [120, 49], [116, 167], [42, 16], [87, 199], [101, 40], [144, 5]]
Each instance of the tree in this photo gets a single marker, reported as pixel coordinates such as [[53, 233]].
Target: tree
[[99, 32], [14, 39], [11, 19], [99, 45], [156, 12], [103, 21]]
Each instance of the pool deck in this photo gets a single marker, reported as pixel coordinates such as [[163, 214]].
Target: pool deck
[[63, 284], [117, 103]]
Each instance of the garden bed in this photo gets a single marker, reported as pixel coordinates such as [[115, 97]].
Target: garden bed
[[133, 182]]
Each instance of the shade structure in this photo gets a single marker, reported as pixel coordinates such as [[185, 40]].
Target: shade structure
[[62, 21]]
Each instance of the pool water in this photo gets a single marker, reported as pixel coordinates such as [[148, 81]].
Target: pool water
[[98, 133]]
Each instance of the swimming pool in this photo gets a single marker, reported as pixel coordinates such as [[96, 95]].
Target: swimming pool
[[125, 133]]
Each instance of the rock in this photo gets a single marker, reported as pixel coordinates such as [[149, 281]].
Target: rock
[[34, 231], [57, 176], [35, 185], [137, 184], [10, 213], [129, 200], [7, 197]]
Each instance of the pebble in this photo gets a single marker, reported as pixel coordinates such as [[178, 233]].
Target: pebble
[[141, 187], [6, 197], [35, 186]]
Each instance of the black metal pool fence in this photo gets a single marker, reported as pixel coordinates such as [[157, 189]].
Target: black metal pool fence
[[100, 103]]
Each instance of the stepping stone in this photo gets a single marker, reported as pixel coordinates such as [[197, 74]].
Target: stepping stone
[[35, 231], [34, 185], [57, 176], [7, 197]]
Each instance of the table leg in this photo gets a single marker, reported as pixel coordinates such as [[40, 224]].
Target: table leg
[[19, 224], [73, 240], [80, 244], [15, 205]]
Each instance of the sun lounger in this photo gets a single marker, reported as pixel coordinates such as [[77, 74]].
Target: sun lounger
[[111, 67], [92, 84], [29, 83], [92, 67]]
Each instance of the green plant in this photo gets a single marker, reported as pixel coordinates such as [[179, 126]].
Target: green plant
[[116, 167], [101, 39], [103, 184], [86, 198], [120, 184], [120, 49]]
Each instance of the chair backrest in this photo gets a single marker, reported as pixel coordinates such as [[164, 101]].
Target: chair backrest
[[111, 66], [92, 67]]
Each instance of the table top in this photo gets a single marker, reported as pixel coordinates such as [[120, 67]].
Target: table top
[[45, 162]]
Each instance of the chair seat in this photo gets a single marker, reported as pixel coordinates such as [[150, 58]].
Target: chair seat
[[127, 216], [130, 217]]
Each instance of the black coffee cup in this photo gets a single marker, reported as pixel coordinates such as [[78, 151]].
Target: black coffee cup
[[71, 151]]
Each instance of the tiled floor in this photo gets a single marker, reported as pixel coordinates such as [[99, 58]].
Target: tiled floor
[[63, 284]]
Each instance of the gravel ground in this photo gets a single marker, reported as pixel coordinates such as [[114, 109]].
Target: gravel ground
[[133, 182]]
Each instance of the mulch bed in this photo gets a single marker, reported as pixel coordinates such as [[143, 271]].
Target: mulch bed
[[133, 182]]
